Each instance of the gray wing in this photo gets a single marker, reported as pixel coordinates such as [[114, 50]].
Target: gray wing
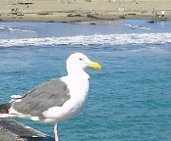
[[49, 94]]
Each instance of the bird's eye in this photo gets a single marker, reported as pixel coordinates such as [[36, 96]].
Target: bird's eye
[[80, 59]]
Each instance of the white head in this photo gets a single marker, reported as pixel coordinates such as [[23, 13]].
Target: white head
[[77, 62]]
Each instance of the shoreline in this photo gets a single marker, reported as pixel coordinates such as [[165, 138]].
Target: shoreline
[[54, 11]]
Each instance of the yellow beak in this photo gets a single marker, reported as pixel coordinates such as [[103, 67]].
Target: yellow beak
[[95, 65]]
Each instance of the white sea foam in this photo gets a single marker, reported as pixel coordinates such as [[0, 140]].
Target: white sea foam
[[112, 39], [10, 29], [137, 27]]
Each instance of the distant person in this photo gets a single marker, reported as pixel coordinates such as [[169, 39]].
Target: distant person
[[162, 13], [134, 1], [153, 13]]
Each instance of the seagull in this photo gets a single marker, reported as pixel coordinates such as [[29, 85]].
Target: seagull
[[57, 99]]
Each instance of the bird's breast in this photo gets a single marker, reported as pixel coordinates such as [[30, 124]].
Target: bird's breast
[[78, 91]]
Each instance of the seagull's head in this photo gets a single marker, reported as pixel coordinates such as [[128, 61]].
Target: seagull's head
[[79, 61]]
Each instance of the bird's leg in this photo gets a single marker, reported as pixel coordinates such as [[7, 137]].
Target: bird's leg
[[56, 132]]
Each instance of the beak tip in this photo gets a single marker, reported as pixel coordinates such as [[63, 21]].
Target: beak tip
[[95, 65], [98, 67]]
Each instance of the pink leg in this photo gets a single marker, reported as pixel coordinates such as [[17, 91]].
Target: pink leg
[[56, 132]]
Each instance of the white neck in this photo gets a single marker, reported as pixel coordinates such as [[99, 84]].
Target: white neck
[[78, 74]]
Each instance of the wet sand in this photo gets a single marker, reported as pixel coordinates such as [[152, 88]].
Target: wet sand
[[55, 11]]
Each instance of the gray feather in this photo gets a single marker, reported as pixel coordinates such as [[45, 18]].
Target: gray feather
[[49, 94]]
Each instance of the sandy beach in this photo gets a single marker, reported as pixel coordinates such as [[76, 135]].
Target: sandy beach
[[82, 11]]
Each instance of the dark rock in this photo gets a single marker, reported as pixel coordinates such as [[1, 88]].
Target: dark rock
[[11, 130]]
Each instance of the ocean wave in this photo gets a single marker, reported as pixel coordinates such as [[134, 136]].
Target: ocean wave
[[137, 27], [10, 29], [112, 39]]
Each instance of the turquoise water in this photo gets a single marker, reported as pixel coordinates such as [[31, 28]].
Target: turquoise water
[[129, 99]]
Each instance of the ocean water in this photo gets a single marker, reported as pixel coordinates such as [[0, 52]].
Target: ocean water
[[129, 98]]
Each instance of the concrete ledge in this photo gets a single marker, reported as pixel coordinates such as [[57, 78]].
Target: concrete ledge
[[11, 130]]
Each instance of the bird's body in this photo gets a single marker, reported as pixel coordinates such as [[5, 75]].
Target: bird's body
[[56, 105], [78, 95], [54, 100]]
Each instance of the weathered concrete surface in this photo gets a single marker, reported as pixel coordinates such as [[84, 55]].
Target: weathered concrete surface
[[11, 130]]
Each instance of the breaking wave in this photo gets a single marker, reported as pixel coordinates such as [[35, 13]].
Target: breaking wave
[[137, 27], [112, 39], [10, 29]]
